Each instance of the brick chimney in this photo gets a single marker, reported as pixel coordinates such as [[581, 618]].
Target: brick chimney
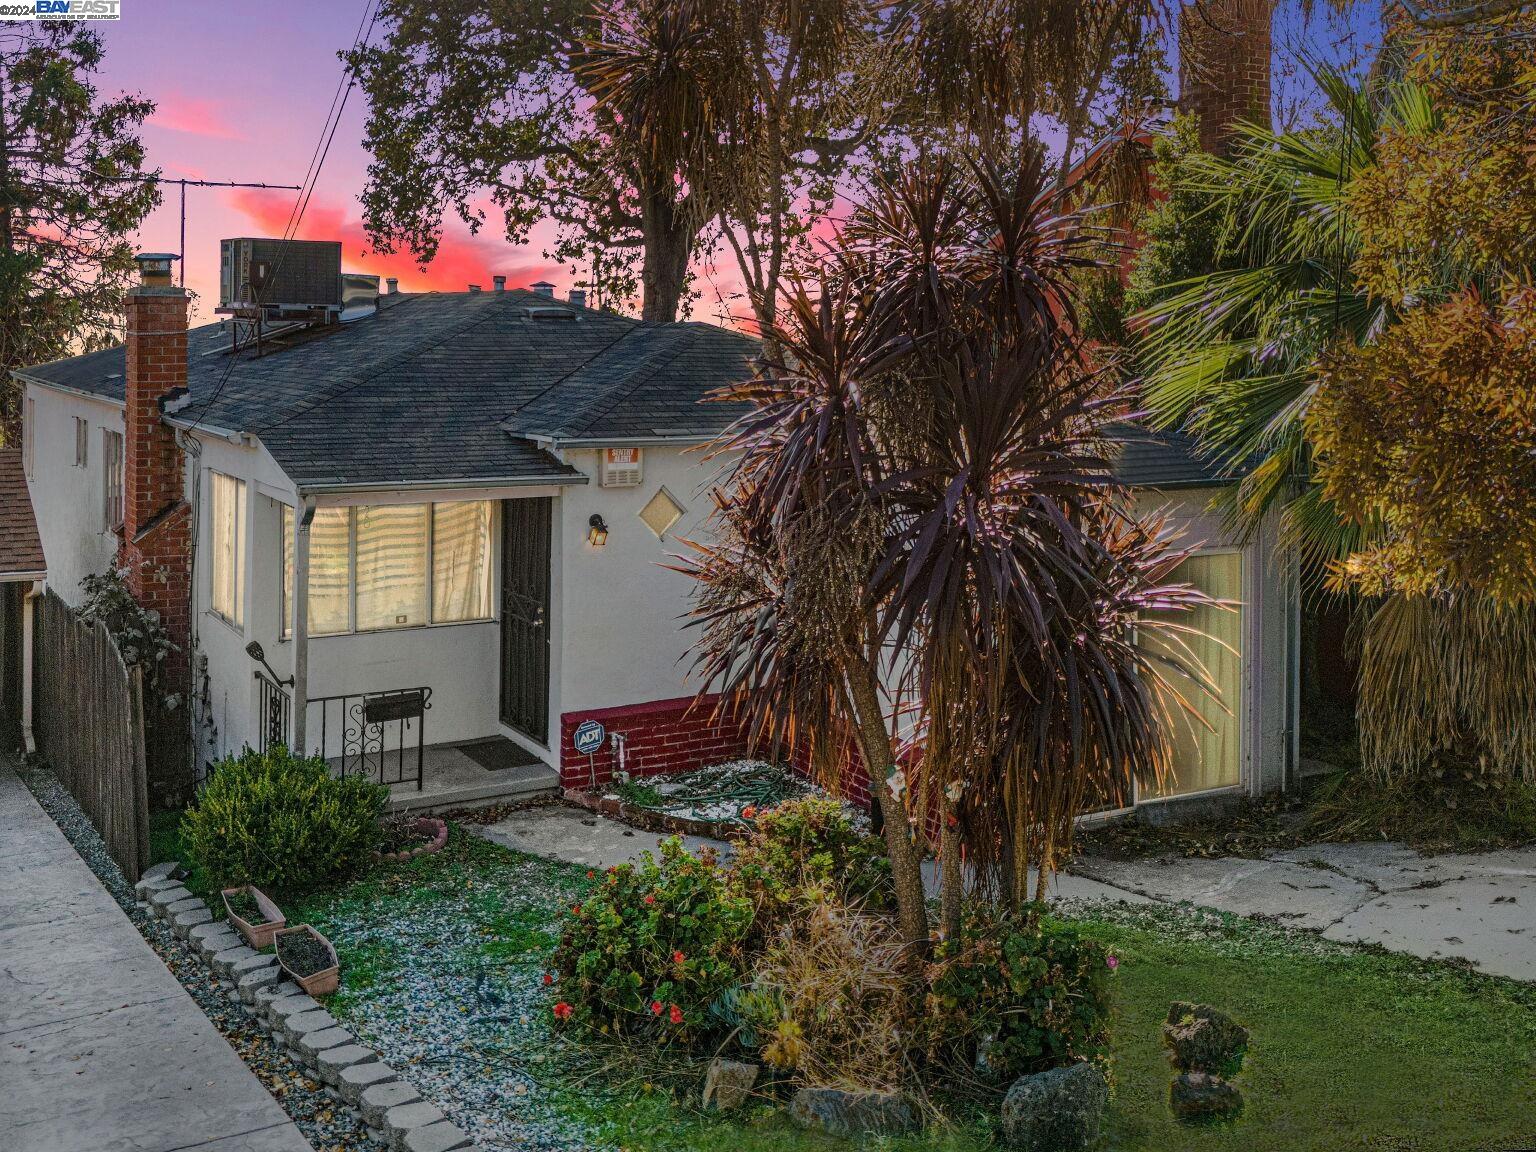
[[1224, 65], [156, 536]]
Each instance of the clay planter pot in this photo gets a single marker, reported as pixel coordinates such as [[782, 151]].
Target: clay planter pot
[[321, 982], [258, 936], [430, 826]]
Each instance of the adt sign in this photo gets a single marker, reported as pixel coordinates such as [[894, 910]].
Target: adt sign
[[588, 737]]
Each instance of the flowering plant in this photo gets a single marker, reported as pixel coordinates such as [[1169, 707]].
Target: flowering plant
[[652, 945], [1015, 995]]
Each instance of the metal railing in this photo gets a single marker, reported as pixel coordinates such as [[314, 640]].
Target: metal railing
[[370, 733], [378, 734]]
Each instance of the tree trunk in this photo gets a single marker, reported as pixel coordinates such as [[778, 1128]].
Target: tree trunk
[[951, 878], [906, 865], [668, 243]]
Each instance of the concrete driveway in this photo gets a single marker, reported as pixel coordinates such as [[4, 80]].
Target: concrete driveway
[[100, 1047], [1479, 908]]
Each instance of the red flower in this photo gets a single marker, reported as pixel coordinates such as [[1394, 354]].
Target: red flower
[[749, 812], [563, 1011], [590, 874], [676, 1015], [649, 899], [575, 909], [548, 979], [678, 957], [656, 1007]]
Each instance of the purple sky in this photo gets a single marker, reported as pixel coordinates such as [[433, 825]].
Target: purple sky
[[243, 90]]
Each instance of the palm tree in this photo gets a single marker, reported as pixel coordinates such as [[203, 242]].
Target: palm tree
[[921, 526], [1231, 355]]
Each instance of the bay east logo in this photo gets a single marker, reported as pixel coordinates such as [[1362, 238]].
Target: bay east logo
[[62, 10]]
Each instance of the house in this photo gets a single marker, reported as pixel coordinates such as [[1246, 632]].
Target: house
[[427, 534]]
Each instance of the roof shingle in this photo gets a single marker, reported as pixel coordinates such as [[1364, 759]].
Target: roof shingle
[[21, 551]]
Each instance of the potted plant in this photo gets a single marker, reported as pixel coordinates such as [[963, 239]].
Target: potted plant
[[308, 958], [253, 914]]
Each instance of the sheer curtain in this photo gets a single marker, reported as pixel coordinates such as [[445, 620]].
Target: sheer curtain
[[1208, 757], [461, 570], [391, 568], [228, 514], [330, 571]]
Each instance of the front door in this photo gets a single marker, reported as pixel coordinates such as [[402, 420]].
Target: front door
[[525, 539]]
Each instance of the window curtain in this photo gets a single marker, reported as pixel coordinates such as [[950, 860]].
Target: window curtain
[[461, 576], [1209, 755], [229, 548], [330, 571], [391, 565]]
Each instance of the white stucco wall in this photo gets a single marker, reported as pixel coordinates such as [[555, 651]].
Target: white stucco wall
[[620, 619], [1266, 604], [69, 501]]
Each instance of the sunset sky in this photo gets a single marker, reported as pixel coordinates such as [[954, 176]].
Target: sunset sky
[[242, 92]]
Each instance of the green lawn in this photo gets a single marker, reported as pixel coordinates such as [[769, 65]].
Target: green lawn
[[443, 958]]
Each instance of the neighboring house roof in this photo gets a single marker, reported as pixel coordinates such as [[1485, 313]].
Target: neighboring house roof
[[441, 388], [1162, 459], [21, 551]]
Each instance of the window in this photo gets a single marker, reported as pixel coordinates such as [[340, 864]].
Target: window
[[29, 436], [1209, 755], [661, 512], [227, 516], [393, 566], [111, 478], [82, 442]]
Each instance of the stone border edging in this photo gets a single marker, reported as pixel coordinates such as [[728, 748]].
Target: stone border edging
[[439, 830], [650, 820], [393, 1110]]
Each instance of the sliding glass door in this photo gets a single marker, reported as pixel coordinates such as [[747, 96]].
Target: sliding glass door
[[1207, 755]]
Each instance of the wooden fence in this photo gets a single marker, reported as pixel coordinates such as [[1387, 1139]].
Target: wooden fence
[[89, 723], [10, 663]]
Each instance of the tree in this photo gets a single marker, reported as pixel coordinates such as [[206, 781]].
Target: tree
[[72, 192], [921, 531]]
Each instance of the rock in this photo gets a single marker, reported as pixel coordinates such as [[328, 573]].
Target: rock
[[378, 1099], [1201, 1096], [354, 1081], [439, 1137], [401, 1119], [728, 1084], [162, 898], [1057, 1110], [252, 963], [262, 1001], [204, 936], [164, 870], [147, 886], [295, 1005], [1204, 1039], [840, 1113], [305, 1022]]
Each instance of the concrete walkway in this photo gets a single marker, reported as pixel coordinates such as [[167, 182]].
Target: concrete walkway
[[1480, 908], [100, 1047]]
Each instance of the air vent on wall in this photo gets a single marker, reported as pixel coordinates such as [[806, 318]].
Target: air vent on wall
[[620, 468]]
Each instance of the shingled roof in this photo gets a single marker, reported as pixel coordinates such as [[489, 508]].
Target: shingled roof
[[448, 388], [21, 552]]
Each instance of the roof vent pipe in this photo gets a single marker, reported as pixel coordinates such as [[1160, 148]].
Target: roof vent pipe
[[391, 286], [579, 297], [543, 288], [500, 282], [474, 287]]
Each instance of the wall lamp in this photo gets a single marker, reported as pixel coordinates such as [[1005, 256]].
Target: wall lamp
[[597, 531], [254, 651]]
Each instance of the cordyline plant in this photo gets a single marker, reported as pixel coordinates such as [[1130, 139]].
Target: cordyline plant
[[920, 522]]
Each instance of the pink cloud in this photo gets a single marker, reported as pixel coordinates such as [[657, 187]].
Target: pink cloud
[[193, 115], [461, 260]]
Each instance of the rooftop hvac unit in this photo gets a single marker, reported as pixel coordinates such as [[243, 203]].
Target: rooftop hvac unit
[[280, 274], [620, 468]]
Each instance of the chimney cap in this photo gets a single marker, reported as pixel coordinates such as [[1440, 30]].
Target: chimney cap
[[155, 267], [474, 287], [543, 287], [500, 282], [392, 283]]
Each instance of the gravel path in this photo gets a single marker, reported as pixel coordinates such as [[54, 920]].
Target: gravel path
[[328, 1126]]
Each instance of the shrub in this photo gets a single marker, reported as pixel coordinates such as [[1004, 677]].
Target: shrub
[[652, 946], [1014, 995], [805, 851], [831, 1000], [281, 821]]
